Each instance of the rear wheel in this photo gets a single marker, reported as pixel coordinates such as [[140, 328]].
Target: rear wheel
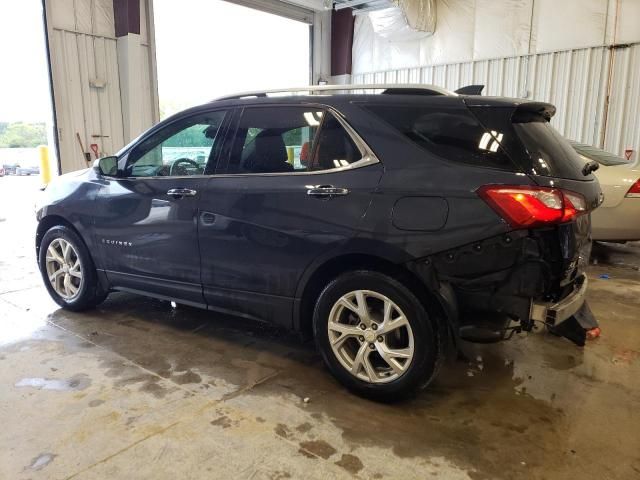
[[68, 270], [375, 335]]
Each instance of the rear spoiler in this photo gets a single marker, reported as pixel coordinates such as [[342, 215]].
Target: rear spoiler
[[519, 109], [526, 109], [470, 90]]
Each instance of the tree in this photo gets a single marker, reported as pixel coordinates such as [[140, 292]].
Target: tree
[[22, 135]]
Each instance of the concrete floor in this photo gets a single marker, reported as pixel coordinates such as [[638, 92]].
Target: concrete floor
[[138, 389]]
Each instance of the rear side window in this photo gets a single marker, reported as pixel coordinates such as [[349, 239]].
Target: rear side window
[[452, 134], [335, 147], [283, 139], [274, 139]]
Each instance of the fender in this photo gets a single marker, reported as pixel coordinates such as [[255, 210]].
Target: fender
[[357, 246], [72, 201]]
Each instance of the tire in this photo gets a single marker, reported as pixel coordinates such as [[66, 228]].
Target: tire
[[82, 293], [376, 378]]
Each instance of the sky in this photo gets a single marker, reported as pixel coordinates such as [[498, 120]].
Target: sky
[[24, 79], [224, 48], [204, 49]]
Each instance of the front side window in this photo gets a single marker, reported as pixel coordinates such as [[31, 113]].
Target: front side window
[[182, 148], [290, 139]]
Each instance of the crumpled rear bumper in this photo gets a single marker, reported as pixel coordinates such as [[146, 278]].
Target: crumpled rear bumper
[[554, 314], [571, 317]]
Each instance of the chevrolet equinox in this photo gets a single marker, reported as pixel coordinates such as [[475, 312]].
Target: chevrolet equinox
[[388, 224]]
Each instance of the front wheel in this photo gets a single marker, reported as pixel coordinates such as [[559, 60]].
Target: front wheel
[[68, 271], [375, 336]]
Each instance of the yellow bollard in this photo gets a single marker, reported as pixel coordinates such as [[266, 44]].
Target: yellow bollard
[[290, 155], [45, 168]]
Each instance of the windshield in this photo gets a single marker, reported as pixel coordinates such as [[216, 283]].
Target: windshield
[[601, 156]]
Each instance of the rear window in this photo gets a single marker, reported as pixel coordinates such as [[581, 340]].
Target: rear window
[[532, 142], [551, 154], [453, 134]]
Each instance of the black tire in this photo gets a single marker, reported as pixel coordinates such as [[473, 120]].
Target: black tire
[[427, 352], [90, 293]]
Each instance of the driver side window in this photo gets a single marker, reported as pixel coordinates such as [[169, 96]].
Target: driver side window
[[183, 148]]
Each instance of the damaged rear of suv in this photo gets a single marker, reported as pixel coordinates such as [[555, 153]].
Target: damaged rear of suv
[[513, 245]]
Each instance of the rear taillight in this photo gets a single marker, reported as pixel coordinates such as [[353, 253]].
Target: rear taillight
[[634, 191], [525, 207]]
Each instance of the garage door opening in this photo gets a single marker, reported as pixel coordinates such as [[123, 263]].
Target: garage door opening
[[206, 49], [25, 101]]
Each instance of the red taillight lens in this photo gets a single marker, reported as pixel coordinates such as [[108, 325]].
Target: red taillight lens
[[525, 207], [634, 191], [574, 205]]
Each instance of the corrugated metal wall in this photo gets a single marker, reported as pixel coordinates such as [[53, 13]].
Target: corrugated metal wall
[[576, 81], [81, 108], [86, 84]]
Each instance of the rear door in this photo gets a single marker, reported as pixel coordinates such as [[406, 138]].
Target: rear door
[[295, 183]]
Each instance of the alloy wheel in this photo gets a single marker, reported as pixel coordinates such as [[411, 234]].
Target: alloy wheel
[[64, 269], [370, 336]]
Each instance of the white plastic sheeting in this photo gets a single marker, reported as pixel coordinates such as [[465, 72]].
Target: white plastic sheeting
[[408, 20], [420, 14], [576, 81], [392, 25], [86, 84], [469, 30]]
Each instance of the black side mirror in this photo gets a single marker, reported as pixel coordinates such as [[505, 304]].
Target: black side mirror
[[107, 166]]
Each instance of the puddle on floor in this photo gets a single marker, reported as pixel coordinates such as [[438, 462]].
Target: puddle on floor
[[77, 382], [42, 461]]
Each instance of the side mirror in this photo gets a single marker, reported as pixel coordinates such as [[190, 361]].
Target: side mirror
[[106, 166]]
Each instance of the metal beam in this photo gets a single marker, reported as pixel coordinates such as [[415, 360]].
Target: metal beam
[[379, 5], [349, 4]]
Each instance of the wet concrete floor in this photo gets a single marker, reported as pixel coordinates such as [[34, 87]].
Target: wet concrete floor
[[138, 389]]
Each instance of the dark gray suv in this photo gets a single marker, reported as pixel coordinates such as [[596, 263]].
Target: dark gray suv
[[386, 225]]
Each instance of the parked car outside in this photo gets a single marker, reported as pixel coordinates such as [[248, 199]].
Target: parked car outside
[[618, 218], [411, 220], [10, 169], [21, 171]]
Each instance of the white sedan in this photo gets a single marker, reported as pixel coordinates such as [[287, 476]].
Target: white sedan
[[618, 218]]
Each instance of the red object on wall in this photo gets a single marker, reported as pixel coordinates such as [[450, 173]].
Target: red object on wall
[[342, 22], [627, 153]]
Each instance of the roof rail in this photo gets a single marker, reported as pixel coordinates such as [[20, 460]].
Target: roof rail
[[387, 88]]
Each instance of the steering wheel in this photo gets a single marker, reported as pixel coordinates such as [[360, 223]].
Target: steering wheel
[[180, 162]]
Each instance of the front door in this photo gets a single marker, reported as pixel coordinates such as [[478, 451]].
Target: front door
[[146, 217], [270, 211]]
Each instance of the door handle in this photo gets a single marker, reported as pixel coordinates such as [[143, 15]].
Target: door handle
[[326, 191], [181, 192]]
